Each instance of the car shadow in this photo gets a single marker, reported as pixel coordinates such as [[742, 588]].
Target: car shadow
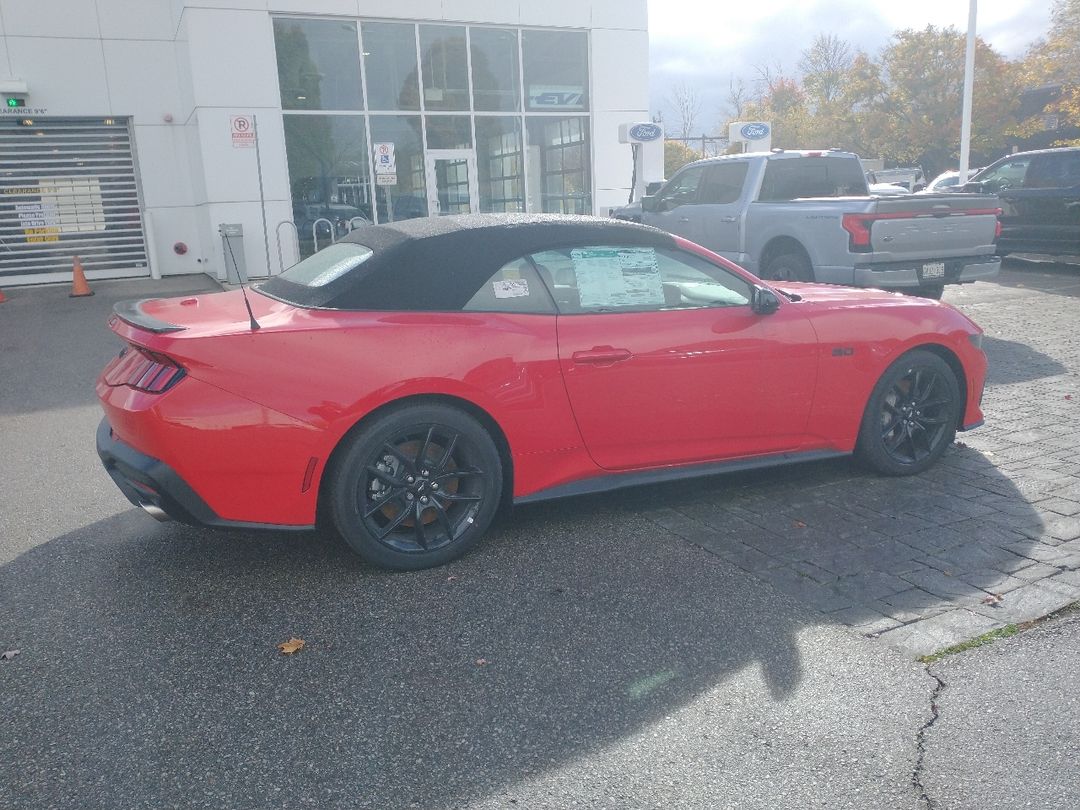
[[1014, 362], [575, 625], [1058, 278]]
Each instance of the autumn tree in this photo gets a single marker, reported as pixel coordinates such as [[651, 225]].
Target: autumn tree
[[923, 76], [783, 103], [825, 67], [1055, 60], [677, 155]]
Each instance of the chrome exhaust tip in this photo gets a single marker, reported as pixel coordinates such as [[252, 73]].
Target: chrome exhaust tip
[[156, 512]]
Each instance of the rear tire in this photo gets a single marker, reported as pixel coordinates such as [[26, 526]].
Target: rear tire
[[788, 267], [911, 417], [416, 488]]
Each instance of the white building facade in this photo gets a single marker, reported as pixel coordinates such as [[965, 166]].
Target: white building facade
[[134, 129]]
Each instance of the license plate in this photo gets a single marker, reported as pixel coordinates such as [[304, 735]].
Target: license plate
[[933, 270]]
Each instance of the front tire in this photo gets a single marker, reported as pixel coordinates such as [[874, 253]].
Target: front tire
[[416, 488], [911, 417]]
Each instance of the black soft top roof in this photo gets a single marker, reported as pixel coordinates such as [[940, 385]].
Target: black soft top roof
[[438, 263]]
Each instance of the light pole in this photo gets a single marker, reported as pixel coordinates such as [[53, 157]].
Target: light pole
[[969, 80]]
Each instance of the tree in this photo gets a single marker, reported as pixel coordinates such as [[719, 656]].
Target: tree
[[687, 107], [783, 103], [923, 75], [677, 155], [737, 98], [1055, 60], [825, 66]]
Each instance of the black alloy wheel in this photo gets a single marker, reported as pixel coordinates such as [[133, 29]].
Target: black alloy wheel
[[417, 488], [912, 415]]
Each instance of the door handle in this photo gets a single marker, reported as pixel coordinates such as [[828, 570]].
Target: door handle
[[684, 219], [601, 355], [728, 219]]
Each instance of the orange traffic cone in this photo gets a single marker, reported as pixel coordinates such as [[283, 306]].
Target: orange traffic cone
[[79, 287]]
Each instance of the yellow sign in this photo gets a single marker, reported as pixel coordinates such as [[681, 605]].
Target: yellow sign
[[42, 234]]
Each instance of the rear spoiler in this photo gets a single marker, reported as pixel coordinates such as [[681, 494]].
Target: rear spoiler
[[131, 312]]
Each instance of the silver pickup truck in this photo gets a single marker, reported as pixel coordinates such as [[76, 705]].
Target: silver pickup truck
[[807, 216]]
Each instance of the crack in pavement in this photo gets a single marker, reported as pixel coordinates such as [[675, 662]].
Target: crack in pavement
[[924, 799]]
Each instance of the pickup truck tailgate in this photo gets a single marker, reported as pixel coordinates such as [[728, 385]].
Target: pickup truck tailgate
[[934, 226]]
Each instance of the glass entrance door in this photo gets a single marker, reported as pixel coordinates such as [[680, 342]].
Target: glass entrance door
[[451, 182]]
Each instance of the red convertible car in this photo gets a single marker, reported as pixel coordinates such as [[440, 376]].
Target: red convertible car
[[406, 382]]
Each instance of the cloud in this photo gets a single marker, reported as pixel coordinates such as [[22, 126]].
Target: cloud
[[707, 43]]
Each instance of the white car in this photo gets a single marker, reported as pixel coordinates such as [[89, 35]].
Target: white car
[[946, 181], [887, 190]]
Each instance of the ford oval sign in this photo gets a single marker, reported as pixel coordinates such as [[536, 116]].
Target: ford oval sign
[[645, 132], [755, 132]]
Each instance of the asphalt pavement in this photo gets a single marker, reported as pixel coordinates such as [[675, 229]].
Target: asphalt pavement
[[584, 656]]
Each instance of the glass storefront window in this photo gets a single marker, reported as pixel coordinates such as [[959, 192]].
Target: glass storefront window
[[407, 198], [500, 165], [448, 132], [445, 67], [329, 176], [496, 87], [560, 179], [556, 70], [318, 65], [390, 62]]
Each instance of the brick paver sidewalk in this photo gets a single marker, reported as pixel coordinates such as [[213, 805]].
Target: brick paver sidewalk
[[989, 537]]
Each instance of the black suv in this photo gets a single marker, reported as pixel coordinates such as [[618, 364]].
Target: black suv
[[1040, 200]]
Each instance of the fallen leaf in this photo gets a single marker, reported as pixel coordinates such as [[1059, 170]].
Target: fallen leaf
[[1068, 396], [994, 600], [481, 662], [7, 655], [452, 578], [798, 524], [293, 645]]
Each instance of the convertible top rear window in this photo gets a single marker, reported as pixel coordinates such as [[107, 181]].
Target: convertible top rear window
[[328, 264]]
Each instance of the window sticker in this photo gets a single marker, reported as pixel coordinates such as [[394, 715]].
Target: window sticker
[[511, 288], [618, 277]]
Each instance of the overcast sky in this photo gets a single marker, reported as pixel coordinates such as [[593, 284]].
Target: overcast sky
[[706, 42]]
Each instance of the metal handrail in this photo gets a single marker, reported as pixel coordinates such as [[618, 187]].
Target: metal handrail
[[296, 238], [315, 235], [363, 221]]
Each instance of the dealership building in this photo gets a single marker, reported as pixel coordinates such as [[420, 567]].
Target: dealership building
[[162, 137]]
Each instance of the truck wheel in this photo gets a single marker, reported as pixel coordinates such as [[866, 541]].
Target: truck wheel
[[789, 267]]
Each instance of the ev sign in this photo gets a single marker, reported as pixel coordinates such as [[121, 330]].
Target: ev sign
[[755, 135]]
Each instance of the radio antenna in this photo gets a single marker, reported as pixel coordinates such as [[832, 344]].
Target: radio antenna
[[240, 278]]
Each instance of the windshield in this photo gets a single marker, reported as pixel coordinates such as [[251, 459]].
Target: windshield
[[330, 263]]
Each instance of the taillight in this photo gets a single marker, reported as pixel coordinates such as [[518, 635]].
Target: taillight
[[858, 228], [145, 370], [997, 225]]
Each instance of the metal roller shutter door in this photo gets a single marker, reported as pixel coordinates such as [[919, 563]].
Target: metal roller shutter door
[[68, 188]]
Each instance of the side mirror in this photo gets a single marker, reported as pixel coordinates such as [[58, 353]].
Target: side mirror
[[654, 186], [763, 301], [650, 204]]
